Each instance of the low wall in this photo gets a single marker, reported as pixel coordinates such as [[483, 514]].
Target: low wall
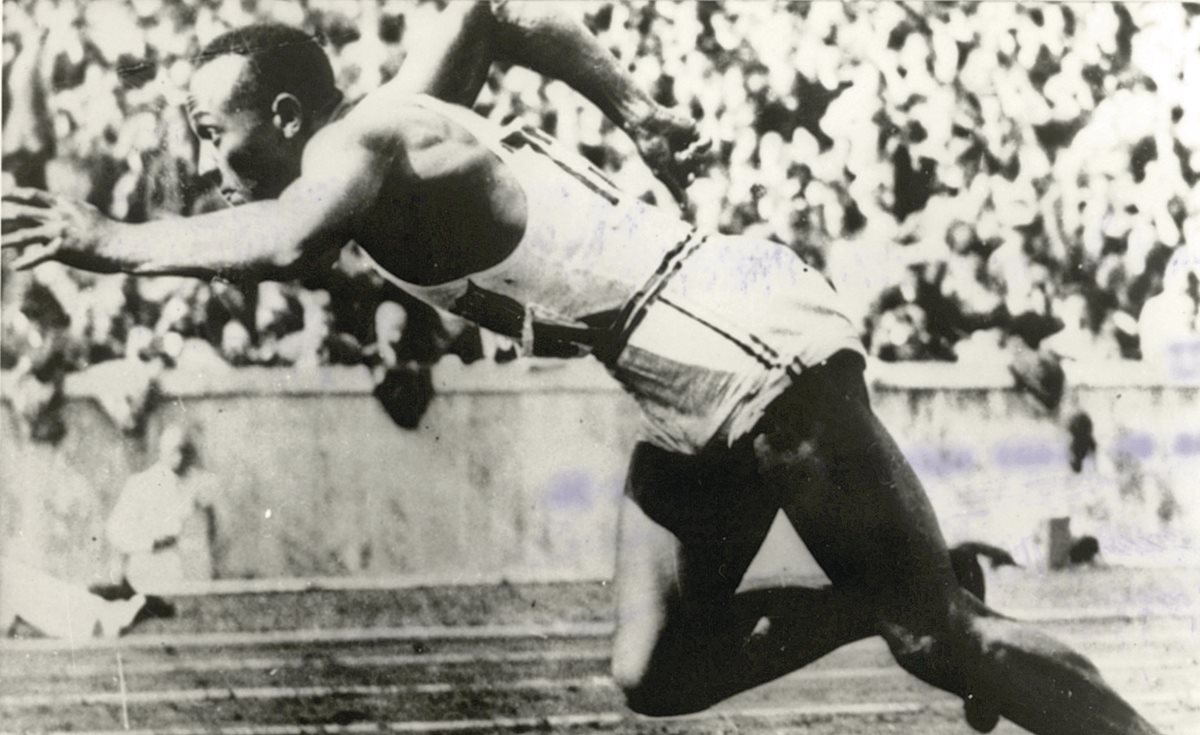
[[517, 468]]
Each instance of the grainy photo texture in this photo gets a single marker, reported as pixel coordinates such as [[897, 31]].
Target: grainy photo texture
[[399, 366]]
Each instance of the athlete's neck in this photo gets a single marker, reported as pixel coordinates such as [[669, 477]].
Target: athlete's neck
[[330, 111]]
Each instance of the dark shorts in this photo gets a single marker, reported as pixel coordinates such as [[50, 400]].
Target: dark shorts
[[704, 497]]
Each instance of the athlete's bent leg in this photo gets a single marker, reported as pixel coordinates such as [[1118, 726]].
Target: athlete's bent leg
[[685, 638], [865, 517]]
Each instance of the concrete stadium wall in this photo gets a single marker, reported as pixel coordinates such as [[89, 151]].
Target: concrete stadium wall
[[517, 469]]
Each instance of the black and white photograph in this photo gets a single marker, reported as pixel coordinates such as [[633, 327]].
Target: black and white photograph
[[605, 366]]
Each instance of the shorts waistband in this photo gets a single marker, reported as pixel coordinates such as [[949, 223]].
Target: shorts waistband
[[840, 376]]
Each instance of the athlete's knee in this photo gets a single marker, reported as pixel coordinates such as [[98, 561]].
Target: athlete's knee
[[939, 646], [632, 677], [920, 652], [636, 680], [633, 651], [651, 681], [647, 693]]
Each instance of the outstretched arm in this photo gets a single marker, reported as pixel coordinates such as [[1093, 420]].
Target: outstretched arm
[[452, 62], [269, 240]]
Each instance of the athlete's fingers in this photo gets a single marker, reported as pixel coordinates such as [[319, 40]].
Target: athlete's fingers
[[25, 237], [29, 195], [13, 212], [35, 255]]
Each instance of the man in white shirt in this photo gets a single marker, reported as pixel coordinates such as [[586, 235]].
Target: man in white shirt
[[161, 522]]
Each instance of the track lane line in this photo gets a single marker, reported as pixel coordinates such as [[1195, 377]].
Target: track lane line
[[478, 632], [320, 635], [1116, 662], [751, 716], [399, 660], [214, 693]]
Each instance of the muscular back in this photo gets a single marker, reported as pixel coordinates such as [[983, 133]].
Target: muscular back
[[446, 205]]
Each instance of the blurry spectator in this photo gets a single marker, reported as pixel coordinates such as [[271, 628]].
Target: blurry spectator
[[467, 342], [38, 343], [27, 141], [1169, 324], [317, 343], [1085, 550], [1083, 338], [1040, 374], [403, 386], [179, 328], [277, 314], [37, 402], [127, 389], [916, 320], [1036, 152], [900, 334], [162, 523], [1028, 288], [391, 319], [236, 343], [1083, 439], [985, 346]]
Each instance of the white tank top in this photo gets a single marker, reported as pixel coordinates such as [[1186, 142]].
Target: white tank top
[[588, 249]]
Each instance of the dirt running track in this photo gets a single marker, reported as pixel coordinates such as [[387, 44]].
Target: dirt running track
[[519, 658]]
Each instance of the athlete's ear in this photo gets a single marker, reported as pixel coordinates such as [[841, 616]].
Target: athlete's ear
[[287, 114]]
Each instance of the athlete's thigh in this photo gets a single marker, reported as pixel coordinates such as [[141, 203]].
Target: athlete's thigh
[[689, 528], [850, 493]]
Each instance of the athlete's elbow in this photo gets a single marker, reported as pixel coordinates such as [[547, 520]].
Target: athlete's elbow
[[294, 262], [281, 264], [521, 17], [276, 265]]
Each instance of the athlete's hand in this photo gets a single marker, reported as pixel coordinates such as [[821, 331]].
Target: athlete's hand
[[673, 148], [41, 227]]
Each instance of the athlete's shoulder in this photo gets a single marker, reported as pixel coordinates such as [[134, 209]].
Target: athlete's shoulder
[[408, 121], [357, 130], [356, 125]]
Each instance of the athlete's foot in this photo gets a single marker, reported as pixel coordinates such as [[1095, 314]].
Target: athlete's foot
[[672, 147], [980, 716]]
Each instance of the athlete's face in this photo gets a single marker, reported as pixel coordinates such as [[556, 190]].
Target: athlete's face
[[253, 154]]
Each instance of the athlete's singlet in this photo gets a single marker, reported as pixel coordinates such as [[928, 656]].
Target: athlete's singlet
[[703, 331], [587, 247]]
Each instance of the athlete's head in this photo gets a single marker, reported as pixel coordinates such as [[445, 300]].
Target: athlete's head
[[257, 95]]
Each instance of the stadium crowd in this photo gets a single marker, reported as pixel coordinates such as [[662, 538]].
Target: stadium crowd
[[972, 176]]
